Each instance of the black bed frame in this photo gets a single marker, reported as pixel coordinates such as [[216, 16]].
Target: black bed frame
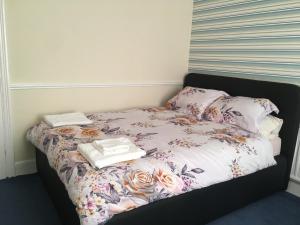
[[204, 205]]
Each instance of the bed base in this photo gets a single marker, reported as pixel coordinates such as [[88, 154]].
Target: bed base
[[193, 208], [201, 206]]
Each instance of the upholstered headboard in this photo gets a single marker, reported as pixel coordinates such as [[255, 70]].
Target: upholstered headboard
[[285, 96]]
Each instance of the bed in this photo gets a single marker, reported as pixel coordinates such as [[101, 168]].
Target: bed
[[200, 206]]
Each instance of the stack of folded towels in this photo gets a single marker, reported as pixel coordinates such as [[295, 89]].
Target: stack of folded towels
[[102, 153]]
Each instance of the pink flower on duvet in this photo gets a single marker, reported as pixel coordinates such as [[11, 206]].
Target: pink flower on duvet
[[170, 182], [91, 204]]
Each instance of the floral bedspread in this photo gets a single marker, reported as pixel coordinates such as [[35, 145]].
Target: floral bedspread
[[182, 154]]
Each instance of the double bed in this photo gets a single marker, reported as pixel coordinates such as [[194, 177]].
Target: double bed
[[164, 135]]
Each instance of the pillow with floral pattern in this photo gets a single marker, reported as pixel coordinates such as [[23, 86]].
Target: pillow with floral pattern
[[245, 112], [192, 100]]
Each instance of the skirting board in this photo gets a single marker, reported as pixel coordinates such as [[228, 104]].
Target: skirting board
[[294, 188], [25, 167]]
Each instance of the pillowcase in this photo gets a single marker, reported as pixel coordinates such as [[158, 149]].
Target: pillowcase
[[270, 127], [192, 100], [245, 112]]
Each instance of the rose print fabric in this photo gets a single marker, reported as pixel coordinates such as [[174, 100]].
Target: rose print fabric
[[183, 154], [245, 112]]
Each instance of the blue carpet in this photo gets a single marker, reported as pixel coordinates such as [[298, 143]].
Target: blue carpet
[[24, 201], [279, 209]]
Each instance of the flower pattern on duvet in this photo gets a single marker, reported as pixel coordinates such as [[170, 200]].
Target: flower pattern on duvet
[[183, 154]]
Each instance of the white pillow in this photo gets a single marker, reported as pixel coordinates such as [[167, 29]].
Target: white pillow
[[270, 127]]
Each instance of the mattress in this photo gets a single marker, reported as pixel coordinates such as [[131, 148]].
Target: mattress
[[183, 154]]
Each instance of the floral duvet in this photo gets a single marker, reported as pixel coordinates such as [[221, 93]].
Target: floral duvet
[[183, 154]]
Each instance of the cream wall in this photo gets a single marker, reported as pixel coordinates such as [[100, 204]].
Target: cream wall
[[54, 43], [77, 41]]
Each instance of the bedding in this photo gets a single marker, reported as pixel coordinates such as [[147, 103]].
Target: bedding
[[183, 154], [276, 144], [245, 112], [192, 100], [270, 127]]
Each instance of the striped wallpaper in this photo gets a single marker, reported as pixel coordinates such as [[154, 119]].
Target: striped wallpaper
[[247, 38]]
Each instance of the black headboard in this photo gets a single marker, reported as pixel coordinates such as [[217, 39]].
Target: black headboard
[[285, 96]]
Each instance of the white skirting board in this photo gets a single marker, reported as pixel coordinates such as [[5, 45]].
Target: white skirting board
[[294, 188], [25, 167]]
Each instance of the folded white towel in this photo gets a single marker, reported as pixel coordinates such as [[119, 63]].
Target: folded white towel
[[98, 160], [113, 146], [76, 118], [113, 149]]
